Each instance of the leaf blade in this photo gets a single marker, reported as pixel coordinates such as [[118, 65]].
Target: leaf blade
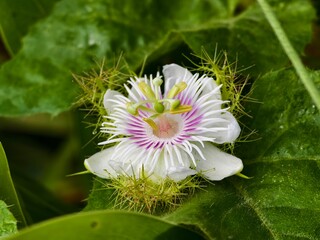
[[8, 192], [98, 30], [107, 225], [8, 224], [250, 46], [15, 20]]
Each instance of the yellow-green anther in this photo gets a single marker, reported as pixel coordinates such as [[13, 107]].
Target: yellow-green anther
[[176, 89], [174, 104], [157, 82], [146, 90], [132, 108], [181, 109], [151, 123], [158, 107]]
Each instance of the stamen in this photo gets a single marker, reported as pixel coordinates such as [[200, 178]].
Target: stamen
[[159, 105], [174, 104], [132, 108], [176, 89], [181, 109], [147, 91]]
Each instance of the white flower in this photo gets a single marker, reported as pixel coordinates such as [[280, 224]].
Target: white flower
[[170, 134]]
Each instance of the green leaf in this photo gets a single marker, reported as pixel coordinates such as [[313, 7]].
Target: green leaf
[[7, 189], [282, 199], [38, 79], [249, 39], [106, 225], [39, 203], [8, 224], [17, 16], [100, 197], [94, 30], [291, 53]]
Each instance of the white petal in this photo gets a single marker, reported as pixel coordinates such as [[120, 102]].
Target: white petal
[[134, 94], [127, 159], [107, 100], [99, 165], [231, 129], [210, 87], [218, 165], [173, 74], [179, 173], [232, 132], [124, 168]]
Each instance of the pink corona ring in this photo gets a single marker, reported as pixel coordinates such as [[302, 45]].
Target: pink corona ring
[[169, 134]]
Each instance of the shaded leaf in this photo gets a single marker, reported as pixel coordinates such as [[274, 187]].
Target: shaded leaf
[[7, 189], [17, 16], [106, 225], [249, 39], [100, 197], [94, 30], [282, 200], [39, 203], [8, 224]]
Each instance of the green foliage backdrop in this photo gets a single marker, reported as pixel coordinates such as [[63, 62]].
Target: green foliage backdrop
[[47, 41], [76, 32]]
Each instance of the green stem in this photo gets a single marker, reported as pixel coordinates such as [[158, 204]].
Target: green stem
[[291, 53]]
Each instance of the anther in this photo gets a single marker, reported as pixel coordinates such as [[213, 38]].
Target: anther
[[176, 89], [146, 90], [174, 104], [181, 109]]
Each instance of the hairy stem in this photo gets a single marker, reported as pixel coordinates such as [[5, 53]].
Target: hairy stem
[[291, 53]]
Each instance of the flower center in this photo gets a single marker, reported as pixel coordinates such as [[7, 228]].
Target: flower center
[[158, 108], [166, 127]]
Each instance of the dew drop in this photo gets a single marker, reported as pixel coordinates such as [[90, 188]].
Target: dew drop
[[88, 9], [92, 41]]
